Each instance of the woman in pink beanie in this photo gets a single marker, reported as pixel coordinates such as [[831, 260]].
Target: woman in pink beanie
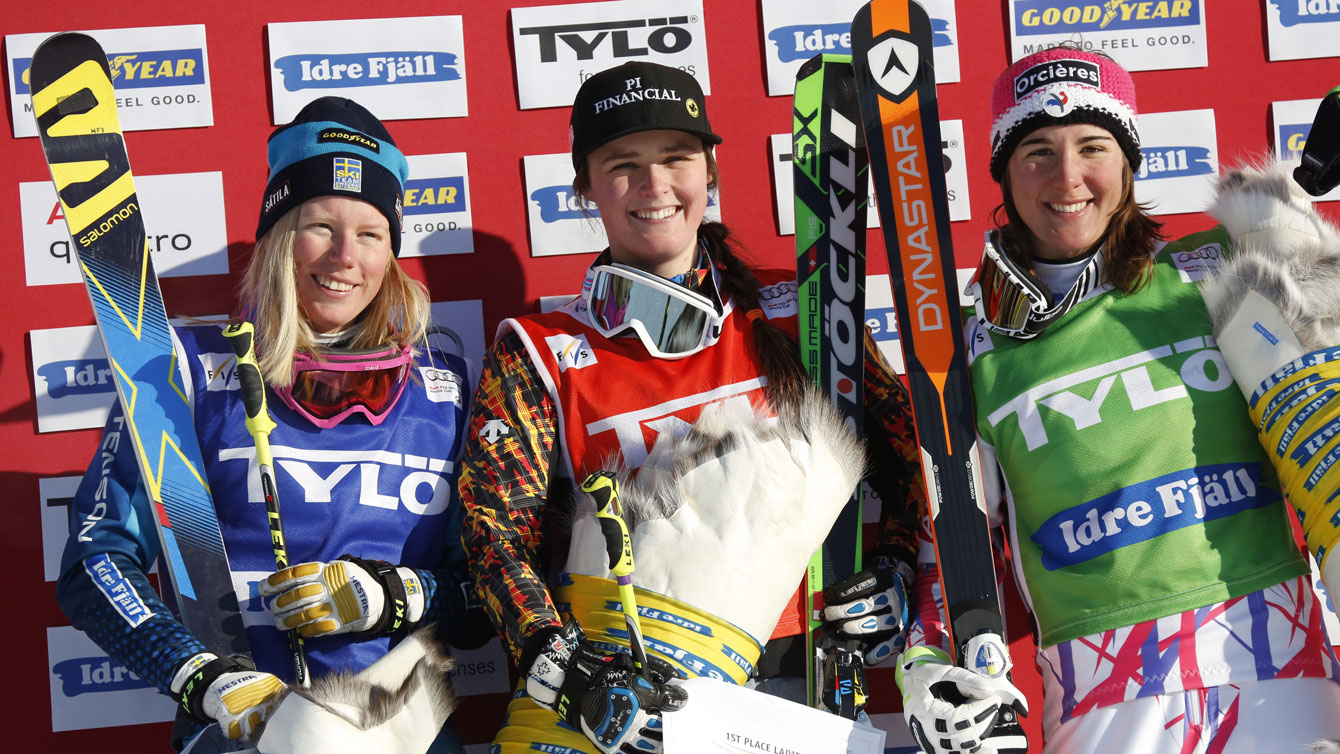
[[1148, 535]]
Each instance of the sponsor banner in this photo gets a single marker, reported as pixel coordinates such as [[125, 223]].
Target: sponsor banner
[[1141, 35], [437, 207], [557, 47], [956, 179], [561, 222], [71, 378], [399, 68], [1180, 161], [1293, 123], [56, 494], [1297, 29], [796, 30], [183, 219], [91, 690], [72, 381], [480, 671], [464, 322], [160, 73]]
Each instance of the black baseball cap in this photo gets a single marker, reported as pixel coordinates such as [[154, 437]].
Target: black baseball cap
[[636, 96]]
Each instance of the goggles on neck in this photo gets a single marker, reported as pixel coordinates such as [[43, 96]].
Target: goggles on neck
[[1012, 301], [670, 320], [333, 384]]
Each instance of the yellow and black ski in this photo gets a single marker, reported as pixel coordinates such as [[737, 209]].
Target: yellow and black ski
[[75, 107]]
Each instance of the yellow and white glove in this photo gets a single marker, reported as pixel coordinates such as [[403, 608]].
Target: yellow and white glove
[[349, 595], [229, 691]]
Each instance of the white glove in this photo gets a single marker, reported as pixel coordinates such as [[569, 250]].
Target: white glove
[[349, 595], [951, 709], [228, 691]]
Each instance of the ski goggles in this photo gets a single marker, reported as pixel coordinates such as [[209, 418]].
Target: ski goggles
[[1012, 301], [671, 320], [334, 384]]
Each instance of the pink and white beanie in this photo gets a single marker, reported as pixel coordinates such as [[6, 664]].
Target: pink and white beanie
[[1057, 87]]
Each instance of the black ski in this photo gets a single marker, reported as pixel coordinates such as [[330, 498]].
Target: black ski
[[75, 107], [830, 171], [893, 58]]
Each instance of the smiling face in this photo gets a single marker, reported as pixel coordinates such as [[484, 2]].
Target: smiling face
[[651, 190], [341, 251], [1066, 183]]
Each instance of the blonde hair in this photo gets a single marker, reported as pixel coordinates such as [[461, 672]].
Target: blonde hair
[[268, 293]]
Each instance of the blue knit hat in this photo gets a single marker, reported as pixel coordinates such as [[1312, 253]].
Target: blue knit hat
[[334, 147]]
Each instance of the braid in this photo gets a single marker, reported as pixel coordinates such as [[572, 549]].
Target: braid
[[777, 352]]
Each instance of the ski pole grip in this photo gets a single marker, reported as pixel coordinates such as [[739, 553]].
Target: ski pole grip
[[242, 337]]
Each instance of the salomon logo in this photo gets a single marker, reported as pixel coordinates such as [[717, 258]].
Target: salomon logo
[[666, 36]]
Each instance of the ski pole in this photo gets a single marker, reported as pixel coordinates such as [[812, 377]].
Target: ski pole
[[603, 486], [242, 337]]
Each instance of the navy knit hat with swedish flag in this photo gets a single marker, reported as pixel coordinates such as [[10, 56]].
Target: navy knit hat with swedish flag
[[334, 147]]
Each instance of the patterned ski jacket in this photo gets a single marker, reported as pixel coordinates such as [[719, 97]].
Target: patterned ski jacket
[[515, 483]]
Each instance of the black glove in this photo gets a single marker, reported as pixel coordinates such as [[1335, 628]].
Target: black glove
[[603, 695], [871, 609]]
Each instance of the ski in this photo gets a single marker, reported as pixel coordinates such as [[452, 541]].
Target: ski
[[892, 56], [830, 176], [75, 106]]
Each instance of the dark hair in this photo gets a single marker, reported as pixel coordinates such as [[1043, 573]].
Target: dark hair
[[777, 351], [1128, 241]]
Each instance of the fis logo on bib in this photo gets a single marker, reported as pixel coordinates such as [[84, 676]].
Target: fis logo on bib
[[1292, 137], [83, 675], [624, 38], [138, 70], [435, 195], [571, 352], [320, 71], [804, 41], [1150, 509], [220, 371], [1067, 16], [1294, 12], [77, 377], [1174, 162]]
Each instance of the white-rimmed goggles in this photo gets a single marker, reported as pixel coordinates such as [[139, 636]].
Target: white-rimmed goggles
[[670, 320]]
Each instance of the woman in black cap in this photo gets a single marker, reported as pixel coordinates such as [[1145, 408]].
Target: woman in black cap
[[369, 417], [673, 331]]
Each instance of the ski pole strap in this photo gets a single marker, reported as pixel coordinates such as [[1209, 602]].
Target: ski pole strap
[[192, 696], [691, 640], [394, 619]]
